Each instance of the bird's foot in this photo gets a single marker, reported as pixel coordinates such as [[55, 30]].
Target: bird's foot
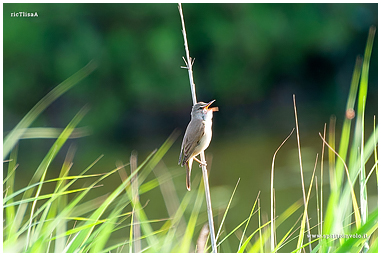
[[201, 162]]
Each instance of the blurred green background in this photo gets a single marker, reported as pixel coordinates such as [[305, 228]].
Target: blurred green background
[[251, 58]]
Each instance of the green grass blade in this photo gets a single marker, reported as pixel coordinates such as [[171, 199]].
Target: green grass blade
[[101, 236], [373, 247], [227, 209], [82, 237], [280, 220], [61, 202], [10, 242], [261, 249], [257, 245], [130, 245], [173, 224], [187, 239], [284, 238], [375, 146], [13, 137], [244, 245], [67, 211], [9, 186], [305, 245], [52, 153], [157, 157], [345, 202], [361, 108], [18, 192], [46, 196], [363, 90], [146, 228], [43, 167], [50, 133], [349, 114], [358, 139], [304, 221], [350, 183], [355, 244], [248, 221], [151, 161]]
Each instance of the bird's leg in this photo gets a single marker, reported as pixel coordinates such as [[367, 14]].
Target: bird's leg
[[201, 163]]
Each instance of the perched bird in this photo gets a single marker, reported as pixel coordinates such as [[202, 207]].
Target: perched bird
[[197, 136]]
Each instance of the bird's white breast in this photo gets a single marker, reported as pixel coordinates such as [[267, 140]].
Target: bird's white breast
[[205, 140]]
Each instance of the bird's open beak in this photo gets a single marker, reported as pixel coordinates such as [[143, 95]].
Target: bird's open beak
[[208, 105]]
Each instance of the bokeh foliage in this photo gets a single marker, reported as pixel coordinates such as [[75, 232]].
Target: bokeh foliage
[[250, 57]]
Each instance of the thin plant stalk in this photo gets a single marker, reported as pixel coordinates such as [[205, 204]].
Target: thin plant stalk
[[305, 214], [227, 208], [248, 221], [354, 201], [189, 64], [321, 182], [317, 203], [272, 236], [259, 225], [375, 148], [135, 198], [301, 171]]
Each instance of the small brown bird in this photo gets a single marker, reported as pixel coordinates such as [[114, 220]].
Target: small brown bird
[[197, 136]]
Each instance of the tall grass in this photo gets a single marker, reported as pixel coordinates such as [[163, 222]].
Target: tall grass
[[341, 200], [37, 221]]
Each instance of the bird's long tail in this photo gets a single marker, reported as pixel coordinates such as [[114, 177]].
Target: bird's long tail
[[188, 167]]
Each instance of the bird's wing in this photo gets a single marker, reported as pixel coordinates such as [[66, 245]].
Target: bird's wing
[[193, 134]]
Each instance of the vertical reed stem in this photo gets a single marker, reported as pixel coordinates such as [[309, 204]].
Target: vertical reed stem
[[189, 64]]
